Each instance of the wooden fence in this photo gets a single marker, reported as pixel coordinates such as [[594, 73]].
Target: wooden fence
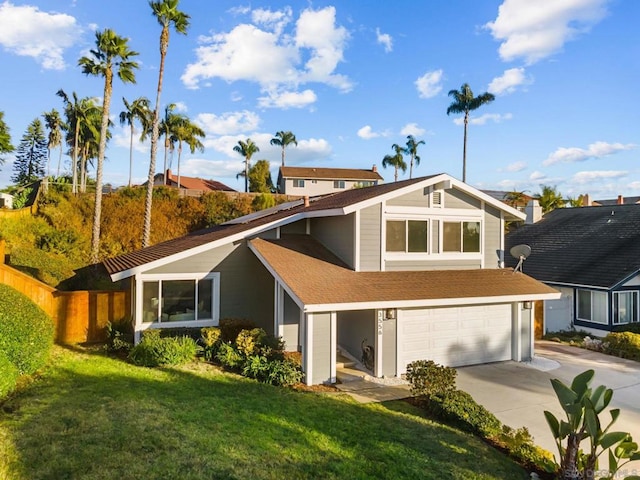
[[79, 316]]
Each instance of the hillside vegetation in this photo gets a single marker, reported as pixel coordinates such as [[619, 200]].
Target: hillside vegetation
[[54, 245]]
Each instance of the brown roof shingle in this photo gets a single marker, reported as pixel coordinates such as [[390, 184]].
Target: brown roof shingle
[[317, 277]]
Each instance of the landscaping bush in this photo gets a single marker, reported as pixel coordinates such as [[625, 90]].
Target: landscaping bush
[[460, 410], [623, 344], [256, 366], [228, 356], [231, 327], [628, 327], [26, 331], [8, 375], [519, 444], [119, 335], [284, 372], [210, 337], [155, 350], [428, 378], [248, 341]]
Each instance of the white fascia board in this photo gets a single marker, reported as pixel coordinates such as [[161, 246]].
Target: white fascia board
[[437, 302], [278, 278], [576, 285], [626, 279]]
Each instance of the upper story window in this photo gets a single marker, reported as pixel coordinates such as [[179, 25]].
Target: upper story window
[[461, 237], [592, 306], [407, 236], [625, 307], [298, 182], [338, 184]]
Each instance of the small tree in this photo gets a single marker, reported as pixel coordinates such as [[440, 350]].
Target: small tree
[[5, 138], [260, 177], [31, 155], [550, 198]]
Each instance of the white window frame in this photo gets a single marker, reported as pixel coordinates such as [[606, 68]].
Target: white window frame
[[215, 298], [614, 310], [460, 220], [341, 184], [592, 292], [298, 183]]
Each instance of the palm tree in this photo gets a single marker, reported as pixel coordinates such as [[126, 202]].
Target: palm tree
[[189, 133], [396, 161], [515, 198], [166, 13], [78, 113], [550, 198], [112, 51], [246, 149], [167, 128], [284, 139], [412, 150], [136, 110], [465, 102], [55, 125]]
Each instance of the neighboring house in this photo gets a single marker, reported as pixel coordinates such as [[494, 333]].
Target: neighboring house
[[320, 181], [6, 200], [617, 201], [592, 256], [410, 267], [193, 185], [518, 200]]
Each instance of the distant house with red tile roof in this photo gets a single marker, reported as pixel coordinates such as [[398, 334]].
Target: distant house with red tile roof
[[194, 186]]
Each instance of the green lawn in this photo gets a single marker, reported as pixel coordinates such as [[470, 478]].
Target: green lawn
[[93, 417]]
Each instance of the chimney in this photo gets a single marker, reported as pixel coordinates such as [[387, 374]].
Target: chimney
[[620, 200], [533, 211], [374, 169], [586, 200], [306, 201]]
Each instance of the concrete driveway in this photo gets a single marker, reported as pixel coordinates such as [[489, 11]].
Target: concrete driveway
[[519, 393]]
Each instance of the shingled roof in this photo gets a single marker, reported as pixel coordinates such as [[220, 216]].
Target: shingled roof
[[317, 277], [330, 173], [589, 246]]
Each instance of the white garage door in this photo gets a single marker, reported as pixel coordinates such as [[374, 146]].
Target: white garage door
[[456, 336]]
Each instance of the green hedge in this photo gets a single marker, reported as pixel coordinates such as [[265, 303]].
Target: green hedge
[[155, 350], [8, 375], [623, 344], [26, 331]]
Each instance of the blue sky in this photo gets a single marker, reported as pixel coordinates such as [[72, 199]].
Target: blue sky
[[351, 78]]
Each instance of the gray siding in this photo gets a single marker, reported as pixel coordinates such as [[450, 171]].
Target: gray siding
[[396, 265], [492, 237], [416, 198], [370, 238], [435, 236], [299, 227], [336, 233], [321, 355], [456, 199], [291, 333], [246, 287], [389, 344], [353, 328], [525, 334]]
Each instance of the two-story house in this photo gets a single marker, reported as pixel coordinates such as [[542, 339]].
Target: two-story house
[[313, 181], [413, 267]]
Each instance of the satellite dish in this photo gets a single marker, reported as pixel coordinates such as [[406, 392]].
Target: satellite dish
[[521, 252]]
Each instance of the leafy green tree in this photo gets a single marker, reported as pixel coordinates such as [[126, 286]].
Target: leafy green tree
[[396, 161], [31, 155], [111, 52], [246, 149], [575, 202], [412, 150], [284, 139], [55, 125], [550, 198], [260, 178], [190, 133], [465, 102], [167, 14], [515, 198], [5, 138], [136, 110]]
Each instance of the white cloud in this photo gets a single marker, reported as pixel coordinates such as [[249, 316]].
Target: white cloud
[[482, 119], [533, 31], [597, 176], [121, 138], [594, 150], [537, 175], [516, 166], [229, 123], [276, 60], [285, 100], [385, 40], [180, 107], [429, 85], [199, 167], [508, 82], [367, 133], [27, 31], [412, 129]]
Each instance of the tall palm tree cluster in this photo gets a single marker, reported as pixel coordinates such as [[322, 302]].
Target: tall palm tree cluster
[[397, 161]]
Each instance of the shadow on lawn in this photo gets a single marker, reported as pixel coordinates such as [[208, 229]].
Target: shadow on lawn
[[93, 417]]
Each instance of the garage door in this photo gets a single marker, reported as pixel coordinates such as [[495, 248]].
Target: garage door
[[456, 336]]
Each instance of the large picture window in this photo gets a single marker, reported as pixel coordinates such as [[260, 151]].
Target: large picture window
[[461, 237], [179, 300], [625, 307], [407, 236], [592, 306]]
